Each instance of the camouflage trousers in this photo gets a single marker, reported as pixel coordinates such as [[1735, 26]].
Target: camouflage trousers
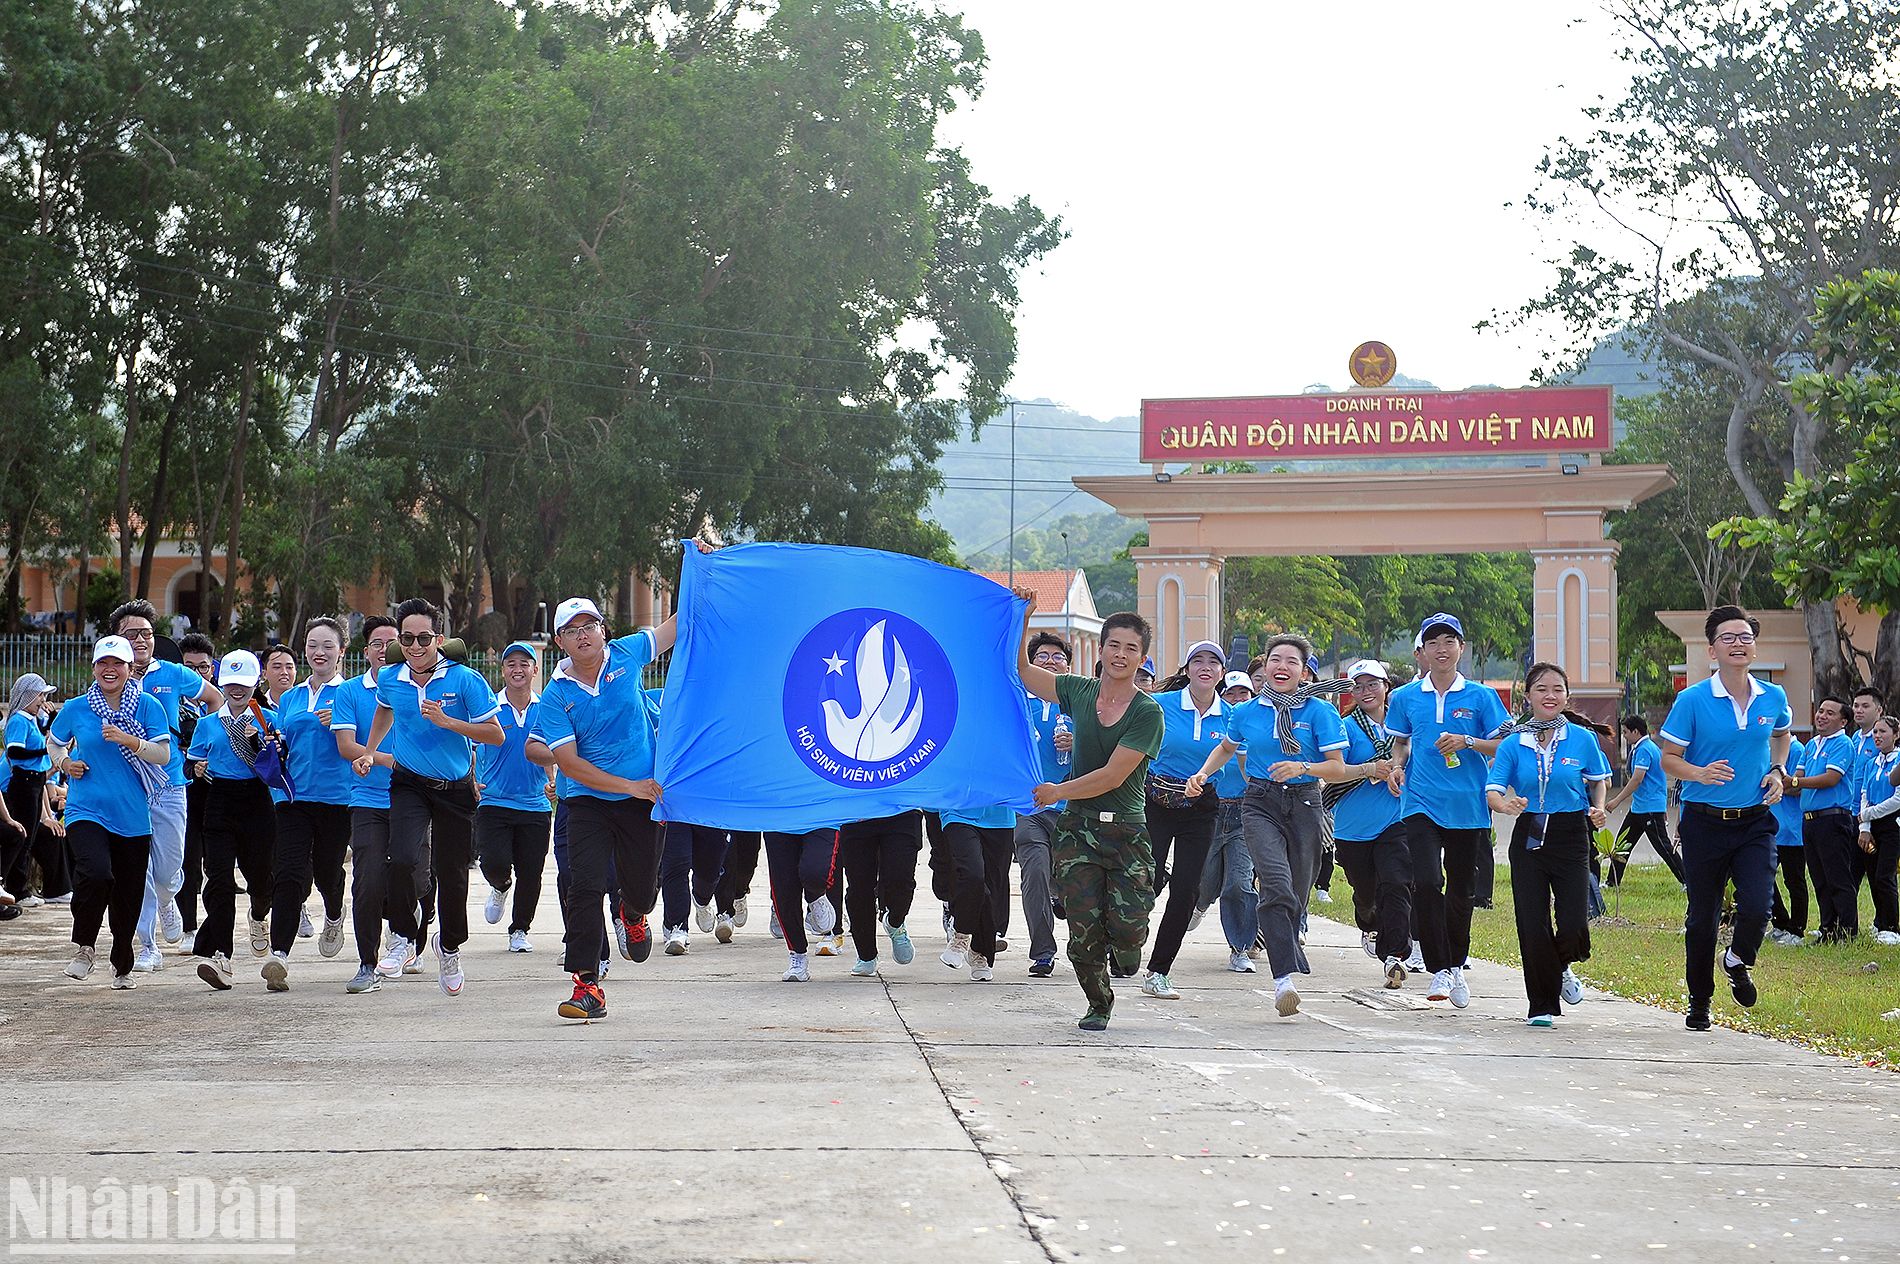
[[1105, 876]]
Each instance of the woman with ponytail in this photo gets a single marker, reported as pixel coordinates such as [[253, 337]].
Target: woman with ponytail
[[1551, 774]]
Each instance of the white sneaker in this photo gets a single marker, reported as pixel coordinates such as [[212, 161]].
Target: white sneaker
[[147, 960], [1440, 990], [1416, 962], [827, 945], [395, 955], [331, 942], [723, 924], [1395, 973], [124, 982], [1322, 896], [778, 932], [703, 917], [1887, 937], [304, 929], [497, 904], [957, 955], [821, 917], [60, 899], [1572, 989], [189, 944], [518, 941], [81, 964], [1158, 986], [739, 911], [216, 971], [798, 971], [1238, 963], [1369, 943], [949, 926], [448, 967], [29, 901], [1256, 954], [276, 972], [981, 969], [1286, 997], [676, 941], [260, 936], [171, 923], [1460, 992], [1200, 911]]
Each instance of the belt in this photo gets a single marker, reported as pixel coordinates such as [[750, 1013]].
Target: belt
[[427, 783], [1727, 814], [1821, 814]]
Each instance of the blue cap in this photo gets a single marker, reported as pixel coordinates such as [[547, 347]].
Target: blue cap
[[1148, 665], [1312, 663], [522, 647], [1441, 620]]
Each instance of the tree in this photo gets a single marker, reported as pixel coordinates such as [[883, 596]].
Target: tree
[[1750, 163], [1838, 534]]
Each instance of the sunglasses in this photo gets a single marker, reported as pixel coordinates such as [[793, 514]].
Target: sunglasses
[[416, 638]]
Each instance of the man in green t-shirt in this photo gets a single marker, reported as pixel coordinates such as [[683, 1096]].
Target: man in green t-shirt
[[1104, 867]]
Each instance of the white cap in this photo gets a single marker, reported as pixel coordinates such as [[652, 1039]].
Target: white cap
[[1207, 646], [112, 647], [1418, 642], [572, 609], [1367, 667], [1237, 680], [239, 667]]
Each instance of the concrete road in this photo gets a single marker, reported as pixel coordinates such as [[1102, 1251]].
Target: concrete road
[[718, 1114]]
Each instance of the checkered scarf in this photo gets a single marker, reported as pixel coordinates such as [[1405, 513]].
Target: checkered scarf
[[125, 718]]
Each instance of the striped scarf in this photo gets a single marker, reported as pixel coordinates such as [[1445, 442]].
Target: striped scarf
[[1381, 749], [243, 736], [1284, 704], [1546, 755], [125, 718]]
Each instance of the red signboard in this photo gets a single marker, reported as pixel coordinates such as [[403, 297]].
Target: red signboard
[[1377, 424]]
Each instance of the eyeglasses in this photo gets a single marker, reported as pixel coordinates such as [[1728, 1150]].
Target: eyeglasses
[[1734, 638], [1043, 658], [416, 638], [382, 643], [583, 629], [137, 634]]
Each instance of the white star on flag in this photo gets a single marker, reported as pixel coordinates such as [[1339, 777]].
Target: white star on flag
[[834, 665]]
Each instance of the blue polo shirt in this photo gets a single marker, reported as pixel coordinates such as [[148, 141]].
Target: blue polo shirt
[[1188, 736], [1707, 723], [1872, 786], [1571, 763], [1254, 726], [507, 779], [1788, 820], [353, 711], [1001, 817], [110, 795], [1820, 755], [1653, 794], [24, 730], [607, 724], [1453, 798], [1042, 722], [321, 773], [1367, 810], [426, 749], [169, 684], [213, 745]]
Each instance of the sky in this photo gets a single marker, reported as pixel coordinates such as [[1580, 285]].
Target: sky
[[1253, 189]]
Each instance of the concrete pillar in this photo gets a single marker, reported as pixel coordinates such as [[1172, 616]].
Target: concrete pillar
[[1180, 598], [1574, 619]]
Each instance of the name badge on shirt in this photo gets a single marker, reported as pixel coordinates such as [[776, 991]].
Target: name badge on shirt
[[616, 673]]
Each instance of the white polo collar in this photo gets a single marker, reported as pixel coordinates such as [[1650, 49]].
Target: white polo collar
[[1740, 706], [1458, 682], [521, 716]]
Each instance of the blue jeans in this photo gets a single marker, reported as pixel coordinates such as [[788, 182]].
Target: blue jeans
[[1228, 877], [166, 871]]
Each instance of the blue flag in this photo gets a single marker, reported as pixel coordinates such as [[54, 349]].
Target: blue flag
[[812, 685]]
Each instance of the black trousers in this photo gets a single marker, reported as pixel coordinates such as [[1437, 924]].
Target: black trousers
[[312, 839], [880, 865], [606, 836], [512, 847], [801, 867], [1883, 872], [238, 835], [1380, 871], [26, 800], [429, 821], [1790, 915], [108, 882], [1829, 839], [735, 873], [1640, 825], [1550, 892], [974, 854], [1188, 833], [1444, 873], [691, 859], [943, 870], [369, 881], [197, 790], [1715, 853]]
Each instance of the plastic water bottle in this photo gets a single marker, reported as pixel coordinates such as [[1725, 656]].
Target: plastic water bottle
[[1063, 725]]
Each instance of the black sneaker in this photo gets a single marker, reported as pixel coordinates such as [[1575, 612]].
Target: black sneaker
[[1042, 967], [1094, 1020], [1741, 985], [636, 941], [587, 1003], [1062, 914], [1698, 1016]]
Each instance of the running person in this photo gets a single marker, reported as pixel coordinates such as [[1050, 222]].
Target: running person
[[239, 825], [1550, 773], [1829, 807], [1368, 830], [880, 863], [1036, 831], [1228, 876], [979, 842], [1104, 867], [27, 802], [1282, 816], [1726, 739], [432, 711], [801, 869], [1194, 722], [513, 817], [196, 652], [1879, 836], [109, 801], [1443, 728], [1647, 793]]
